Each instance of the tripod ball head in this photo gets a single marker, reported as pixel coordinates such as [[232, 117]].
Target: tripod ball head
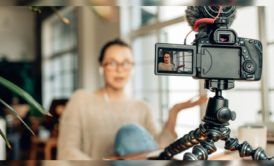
[[224, 115]]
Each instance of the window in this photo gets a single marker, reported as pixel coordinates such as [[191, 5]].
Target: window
[[162, 92], [171, 12], [181, 88], [169, 26], [245, 98], [146, 85], [59, 57], [270, 41], [143, 15]]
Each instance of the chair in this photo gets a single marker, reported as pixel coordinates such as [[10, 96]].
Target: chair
[[56, 109]]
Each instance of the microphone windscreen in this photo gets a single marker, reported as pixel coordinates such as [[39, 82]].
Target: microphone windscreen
[[194, 13]]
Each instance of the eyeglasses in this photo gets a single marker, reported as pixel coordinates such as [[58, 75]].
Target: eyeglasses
[[112, 65]]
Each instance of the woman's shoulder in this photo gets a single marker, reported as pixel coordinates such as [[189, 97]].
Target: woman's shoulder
[[161, 64], [82, 94]]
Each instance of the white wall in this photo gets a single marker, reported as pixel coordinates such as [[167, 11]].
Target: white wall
[[7, 2], [93, 33], [17, 33]]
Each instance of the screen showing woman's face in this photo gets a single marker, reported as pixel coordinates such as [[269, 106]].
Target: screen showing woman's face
[[117, 64], [167, 58]]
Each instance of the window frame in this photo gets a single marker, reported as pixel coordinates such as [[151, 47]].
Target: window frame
[[132, 33], [49, 55]]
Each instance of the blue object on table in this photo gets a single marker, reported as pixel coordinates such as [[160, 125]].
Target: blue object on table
[[133, 138]]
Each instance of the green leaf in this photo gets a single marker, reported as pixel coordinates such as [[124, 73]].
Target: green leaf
[[16, 114], [5, 139], [35, 9], [15, 89]]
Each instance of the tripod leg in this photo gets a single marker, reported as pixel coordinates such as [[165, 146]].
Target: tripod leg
[[192, 138], [214, 134], [246, 150], [201, 152]]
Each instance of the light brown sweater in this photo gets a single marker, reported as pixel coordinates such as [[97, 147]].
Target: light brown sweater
[[89, 125]]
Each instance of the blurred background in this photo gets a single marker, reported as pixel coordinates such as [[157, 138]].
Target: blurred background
[[52, 51]]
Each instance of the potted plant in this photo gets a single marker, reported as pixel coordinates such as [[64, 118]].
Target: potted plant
[[29, 99]]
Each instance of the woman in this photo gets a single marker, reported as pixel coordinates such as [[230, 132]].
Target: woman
[[91, 120], [166, 65]]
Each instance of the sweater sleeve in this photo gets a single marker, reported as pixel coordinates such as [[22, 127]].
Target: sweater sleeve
[[71, 131], [163, 137]]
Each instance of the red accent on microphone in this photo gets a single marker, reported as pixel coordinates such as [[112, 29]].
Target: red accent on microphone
[[202, 21], [206, 20]]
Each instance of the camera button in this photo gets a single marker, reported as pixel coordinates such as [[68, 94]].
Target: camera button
[[249, 67], [249, 76]]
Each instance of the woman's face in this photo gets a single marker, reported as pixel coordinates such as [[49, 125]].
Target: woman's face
[[167, 58], [117, 65]]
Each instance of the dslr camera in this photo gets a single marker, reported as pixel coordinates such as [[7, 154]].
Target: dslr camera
[[216, 53]]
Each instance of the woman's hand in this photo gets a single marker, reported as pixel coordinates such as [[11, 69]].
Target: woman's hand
[[190, 103], [171, 122]]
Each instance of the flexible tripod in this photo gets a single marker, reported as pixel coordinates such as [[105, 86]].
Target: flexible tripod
[[212, 130]]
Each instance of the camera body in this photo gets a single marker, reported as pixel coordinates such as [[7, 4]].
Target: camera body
[[217, 54]]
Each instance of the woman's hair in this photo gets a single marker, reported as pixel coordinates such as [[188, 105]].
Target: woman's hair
[[117, 42], [54, 104], [170, 56]]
